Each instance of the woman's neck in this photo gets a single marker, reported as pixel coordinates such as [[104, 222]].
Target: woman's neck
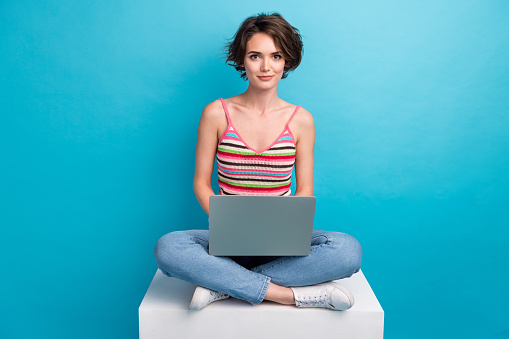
[[260, 101]]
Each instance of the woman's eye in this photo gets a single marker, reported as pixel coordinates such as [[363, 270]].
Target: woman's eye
[[254, 56], [277, 57]]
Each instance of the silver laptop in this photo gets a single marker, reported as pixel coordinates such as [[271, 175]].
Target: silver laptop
[[260, 225]]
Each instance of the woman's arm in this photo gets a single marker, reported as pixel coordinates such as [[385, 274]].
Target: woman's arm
[[304, 128], [206, 146]]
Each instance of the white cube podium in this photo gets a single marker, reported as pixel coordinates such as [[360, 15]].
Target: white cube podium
[[164, 314]]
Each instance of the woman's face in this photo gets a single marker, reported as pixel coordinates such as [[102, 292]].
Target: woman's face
[[263, 61]]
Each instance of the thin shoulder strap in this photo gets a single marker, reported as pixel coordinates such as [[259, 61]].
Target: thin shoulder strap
[[226, 111], [294, 112]]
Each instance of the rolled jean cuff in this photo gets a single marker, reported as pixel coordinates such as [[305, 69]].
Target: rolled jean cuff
[[262, 292]]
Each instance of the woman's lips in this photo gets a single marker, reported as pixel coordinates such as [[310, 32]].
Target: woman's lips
[[265, 77]]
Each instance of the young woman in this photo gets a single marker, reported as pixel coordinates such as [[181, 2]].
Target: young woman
[[257, 139]]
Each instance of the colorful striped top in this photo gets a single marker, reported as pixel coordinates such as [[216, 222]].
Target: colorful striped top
[[244, 171]]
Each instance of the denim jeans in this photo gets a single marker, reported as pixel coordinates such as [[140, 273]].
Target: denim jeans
[[184, 255]]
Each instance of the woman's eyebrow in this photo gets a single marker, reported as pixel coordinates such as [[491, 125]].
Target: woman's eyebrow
[[255, 52]]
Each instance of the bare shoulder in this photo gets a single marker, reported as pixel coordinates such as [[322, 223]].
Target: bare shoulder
[[304, 117], [213, 119], [213, 112], [303, 121]]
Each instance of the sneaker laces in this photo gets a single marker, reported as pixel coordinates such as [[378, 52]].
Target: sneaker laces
[[313, 301], [218, 296]]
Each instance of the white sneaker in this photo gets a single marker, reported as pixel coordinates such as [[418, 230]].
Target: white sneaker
[[203, 296], [328, 295]]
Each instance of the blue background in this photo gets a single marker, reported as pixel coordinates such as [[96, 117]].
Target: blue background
[[100, 103]]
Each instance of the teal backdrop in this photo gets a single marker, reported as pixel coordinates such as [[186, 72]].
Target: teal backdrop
[[100, 102]]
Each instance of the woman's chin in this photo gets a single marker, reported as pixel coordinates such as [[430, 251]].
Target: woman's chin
[[263, 85]]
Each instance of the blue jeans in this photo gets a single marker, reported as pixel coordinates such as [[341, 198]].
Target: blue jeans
[[184, 255]]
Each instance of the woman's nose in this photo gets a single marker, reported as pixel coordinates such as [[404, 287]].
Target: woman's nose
[[265, 65]]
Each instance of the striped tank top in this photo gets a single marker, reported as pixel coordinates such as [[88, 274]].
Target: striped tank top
[[244, 171]]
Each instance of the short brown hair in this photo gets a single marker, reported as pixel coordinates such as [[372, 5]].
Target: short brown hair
[[286, 38]]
